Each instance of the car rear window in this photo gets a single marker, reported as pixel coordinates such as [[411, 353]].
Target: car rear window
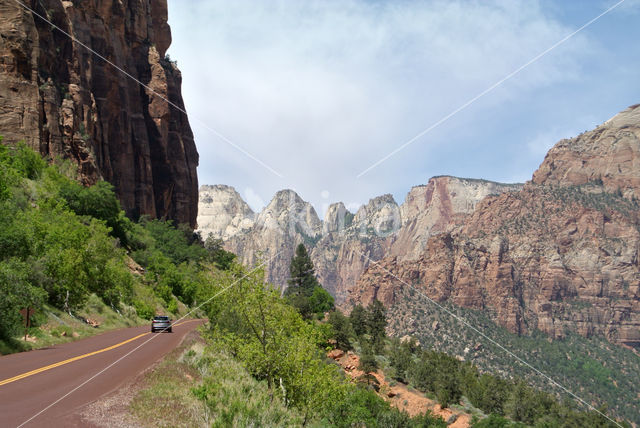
[[161, 318]]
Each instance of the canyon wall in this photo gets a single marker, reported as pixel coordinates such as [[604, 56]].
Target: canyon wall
[[561, 254], [65, 101]]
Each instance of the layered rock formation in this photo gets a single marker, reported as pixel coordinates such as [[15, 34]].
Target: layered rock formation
[[283, 224], [65, 101], [607, 156], [337, 256], [561, 254], [434, 208], [222, 213], [338, 243]]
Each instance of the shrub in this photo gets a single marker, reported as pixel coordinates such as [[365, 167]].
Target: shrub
[[143, 309]]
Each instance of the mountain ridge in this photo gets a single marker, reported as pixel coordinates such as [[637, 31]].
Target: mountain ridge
[[559, 255], [336, 242]]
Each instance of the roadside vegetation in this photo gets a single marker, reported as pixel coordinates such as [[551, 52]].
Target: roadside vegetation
[[70, 249]]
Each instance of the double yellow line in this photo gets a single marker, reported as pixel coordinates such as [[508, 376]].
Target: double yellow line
[[79, 357], [70, 360]]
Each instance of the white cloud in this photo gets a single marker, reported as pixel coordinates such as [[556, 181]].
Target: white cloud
[[319, 90]]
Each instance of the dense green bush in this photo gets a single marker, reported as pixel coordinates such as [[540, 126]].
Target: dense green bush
[[16, 292], [144, 310], [179, 244], [221, 258], [99, 201], [53, 248]]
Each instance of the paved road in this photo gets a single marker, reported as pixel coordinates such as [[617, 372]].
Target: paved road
[[32, 381]]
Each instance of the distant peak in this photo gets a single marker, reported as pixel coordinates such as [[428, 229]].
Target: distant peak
[[387, 198], [468, 180], [220, 187], [286, 196]]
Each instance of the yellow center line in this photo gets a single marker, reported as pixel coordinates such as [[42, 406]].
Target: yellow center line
[[79, 357]]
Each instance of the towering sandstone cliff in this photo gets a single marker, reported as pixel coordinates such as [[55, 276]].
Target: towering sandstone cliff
[[561, 254], [65, 101], [338, 243]]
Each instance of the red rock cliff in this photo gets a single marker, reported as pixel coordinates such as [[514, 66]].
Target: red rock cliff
[[65, 101], [561, 254]]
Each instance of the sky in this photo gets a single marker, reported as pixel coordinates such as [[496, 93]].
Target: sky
[[311, 95]]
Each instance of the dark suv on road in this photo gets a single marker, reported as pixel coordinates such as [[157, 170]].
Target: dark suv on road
[[161, 323]]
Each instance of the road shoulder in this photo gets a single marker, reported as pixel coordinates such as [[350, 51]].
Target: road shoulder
[[114, 409]]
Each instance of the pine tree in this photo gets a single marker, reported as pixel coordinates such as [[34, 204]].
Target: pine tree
[[368, 361], [341, 330], [305, 292], [377, 324], [358, 320], [302, 279]]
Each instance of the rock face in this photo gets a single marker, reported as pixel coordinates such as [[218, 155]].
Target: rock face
[[222, 212], [271, 236], [337, 256], [561, 254], [434, 208], [607, 156], [67, 102], [337, 244]]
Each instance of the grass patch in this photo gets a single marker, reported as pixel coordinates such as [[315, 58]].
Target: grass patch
[[198, 386], [167, 400], [54, 326]]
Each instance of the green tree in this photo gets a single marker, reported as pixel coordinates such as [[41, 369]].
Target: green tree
[[358, 320], [341, 330], [489, 394], [98, 201], [400, 358], [377, 324], [302, 278], [16, 293], [217, 254], [320, 301], [273, 341], [423, 372], [447, 388], [179, 243], [368, 361], [305, 292], [356, 407], [25, 161], [526, 404]]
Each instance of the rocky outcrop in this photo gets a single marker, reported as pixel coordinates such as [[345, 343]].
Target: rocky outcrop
[[283, 224], [338, 244], [561, 254], [65, 101], [436, 207], [337, 256], [607, 156], [222, 213]]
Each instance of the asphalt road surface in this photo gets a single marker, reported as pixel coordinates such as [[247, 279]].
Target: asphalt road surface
[[32, 381]]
